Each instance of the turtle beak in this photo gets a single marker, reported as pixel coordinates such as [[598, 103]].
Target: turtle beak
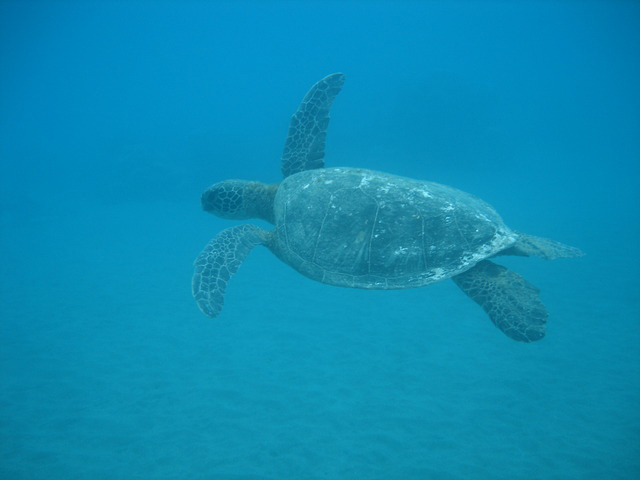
[[208, 200], [215, 200]]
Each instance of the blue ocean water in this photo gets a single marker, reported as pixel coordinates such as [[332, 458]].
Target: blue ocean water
[[114, 116]]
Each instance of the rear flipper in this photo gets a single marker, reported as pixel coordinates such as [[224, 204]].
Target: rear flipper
[[511, 302], [532, 246]]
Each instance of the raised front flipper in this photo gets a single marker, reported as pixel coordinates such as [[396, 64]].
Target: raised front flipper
[[304, 148], [219, 261], [532, 246], [511, 302]]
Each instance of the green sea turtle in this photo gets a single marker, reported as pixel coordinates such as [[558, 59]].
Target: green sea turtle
[[360, 228]]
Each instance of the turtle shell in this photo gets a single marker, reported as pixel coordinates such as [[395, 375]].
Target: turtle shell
[[366, 229]]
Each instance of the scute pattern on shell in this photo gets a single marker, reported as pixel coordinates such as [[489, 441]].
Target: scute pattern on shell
[[366, 229]]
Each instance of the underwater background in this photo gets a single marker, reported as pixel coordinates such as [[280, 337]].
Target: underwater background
[[114, 116]]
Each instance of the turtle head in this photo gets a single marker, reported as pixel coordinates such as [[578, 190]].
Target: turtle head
[[240, 199], [226, 199]]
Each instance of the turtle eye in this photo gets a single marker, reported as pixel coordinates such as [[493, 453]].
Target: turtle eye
[[225, 199]]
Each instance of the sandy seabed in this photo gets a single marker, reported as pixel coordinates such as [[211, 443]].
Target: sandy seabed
[[109, 371]]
